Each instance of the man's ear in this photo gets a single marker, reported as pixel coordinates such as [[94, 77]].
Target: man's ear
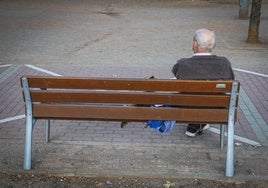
[[195, 46]]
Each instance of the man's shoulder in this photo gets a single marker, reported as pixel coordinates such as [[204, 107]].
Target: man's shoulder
[[184, 59], [209, 56], [202, 57], [220, 57]]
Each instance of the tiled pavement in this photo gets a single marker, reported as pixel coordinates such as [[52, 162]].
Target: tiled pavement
[[99, 148], [74, 139]]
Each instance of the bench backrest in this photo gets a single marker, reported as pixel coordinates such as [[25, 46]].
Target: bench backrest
[[80, 98]]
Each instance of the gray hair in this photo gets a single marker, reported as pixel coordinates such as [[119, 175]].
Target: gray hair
[[205, 39]]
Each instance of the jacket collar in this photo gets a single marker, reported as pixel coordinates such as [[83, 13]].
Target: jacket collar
[[201, 54]]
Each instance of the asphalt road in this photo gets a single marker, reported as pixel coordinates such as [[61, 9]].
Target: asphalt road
[[124, 33]]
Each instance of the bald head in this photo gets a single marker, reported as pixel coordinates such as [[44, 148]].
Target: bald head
[[203, 40]]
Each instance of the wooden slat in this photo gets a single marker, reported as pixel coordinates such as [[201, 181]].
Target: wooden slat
[[73, 98], [148, 98], [129, 113], [128, 84]]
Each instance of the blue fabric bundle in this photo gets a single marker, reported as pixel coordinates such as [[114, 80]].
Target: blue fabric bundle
[[161, 126]]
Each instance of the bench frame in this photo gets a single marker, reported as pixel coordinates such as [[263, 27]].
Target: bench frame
[[30, 86]]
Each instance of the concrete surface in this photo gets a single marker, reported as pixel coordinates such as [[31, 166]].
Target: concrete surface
[[128, 39]]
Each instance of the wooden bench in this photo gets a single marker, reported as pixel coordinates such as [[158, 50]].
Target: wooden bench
[[77, 98]]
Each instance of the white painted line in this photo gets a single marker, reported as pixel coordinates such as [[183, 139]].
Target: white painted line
[[12, 118], [7, 65], [239, 138], [251, 72], [43, 70]]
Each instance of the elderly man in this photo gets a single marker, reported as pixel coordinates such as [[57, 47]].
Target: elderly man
[[203, 66]]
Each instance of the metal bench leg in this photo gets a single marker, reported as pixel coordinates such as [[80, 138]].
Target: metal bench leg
[[230, 132], [29, 126], [28, 144], [230, 151], [222, 133], [47, 130]]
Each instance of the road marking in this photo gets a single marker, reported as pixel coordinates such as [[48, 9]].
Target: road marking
[[12, 118], [43, 70], [251, 72], [8, 72], [7, 65], [33, 67], [254, 118], [239, 138]]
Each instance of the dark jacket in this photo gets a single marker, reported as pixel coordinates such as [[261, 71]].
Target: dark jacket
[[208, 67]]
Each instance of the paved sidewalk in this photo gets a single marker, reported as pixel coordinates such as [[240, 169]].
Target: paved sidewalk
[[83, 148]]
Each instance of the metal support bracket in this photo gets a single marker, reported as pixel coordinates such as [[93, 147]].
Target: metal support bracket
[[222, 134], [29, 125], [230, 131], [47, 130]]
